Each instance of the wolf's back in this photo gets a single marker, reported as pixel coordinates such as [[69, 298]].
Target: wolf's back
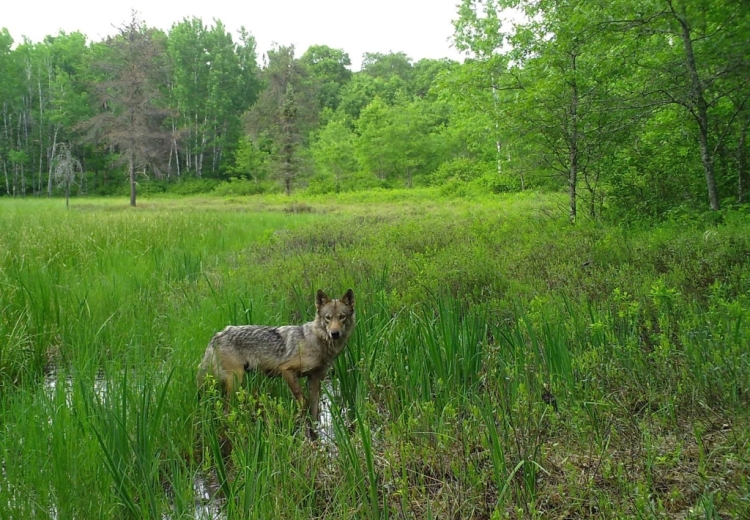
[[250, 339]]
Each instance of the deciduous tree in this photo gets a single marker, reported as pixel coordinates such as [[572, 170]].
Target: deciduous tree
[[330, 69], [213, 82], [698, 58]]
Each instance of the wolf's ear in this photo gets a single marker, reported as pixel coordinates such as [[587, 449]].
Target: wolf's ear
[[321, 299], [348, 298]]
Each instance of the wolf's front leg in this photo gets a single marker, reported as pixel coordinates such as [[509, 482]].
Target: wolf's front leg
[[291, 379], [313, 390]]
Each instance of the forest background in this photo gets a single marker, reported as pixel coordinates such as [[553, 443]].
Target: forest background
[[636, 109], [505, 364]]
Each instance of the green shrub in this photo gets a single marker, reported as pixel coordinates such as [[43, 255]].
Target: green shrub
[[498, 182], [152, 187], [240, 186], [322, 184], [460, 169], [361, 181], [192, 186], [112, 188]]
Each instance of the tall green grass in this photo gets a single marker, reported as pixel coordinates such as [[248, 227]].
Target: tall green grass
[[505, 364]]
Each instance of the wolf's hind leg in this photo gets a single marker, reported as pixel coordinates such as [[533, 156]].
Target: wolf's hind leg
[[231, 381]]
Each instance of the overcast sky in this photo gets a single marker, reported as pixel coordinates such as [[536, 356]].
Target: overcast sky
[[420, 28]]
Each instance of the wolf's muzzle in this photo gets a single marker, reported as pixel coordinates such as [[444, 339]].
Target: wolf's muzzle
[[335, 334]]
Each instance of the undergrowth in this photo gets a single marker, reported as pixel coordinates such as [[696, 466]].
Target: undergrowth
[[504, 364]]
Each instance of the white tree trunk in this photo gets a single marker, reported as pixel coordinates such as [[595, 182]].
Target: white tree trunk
[[50, 160]]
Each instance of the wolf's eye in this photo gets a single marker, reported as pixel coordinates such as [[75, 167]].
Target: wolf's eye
[[342, 317], [328, 317]]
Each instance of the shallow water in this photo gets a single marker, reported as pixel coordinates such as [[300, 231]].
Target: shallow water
[[51, 380], [208, 503], [325, 424]]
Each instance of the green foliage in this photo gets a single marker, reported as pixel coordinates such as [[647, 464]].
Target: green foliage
[[644, 180], [191, 186], [329, 68], [214, 80], [285, 114], [461, 169], [251, 161], [580, 92], [356, 95], [400, 142], [637, 110], [242, 186], [387, 66], [499, 182], [114, 187], [501, 355], [322, 183], [333, 152]]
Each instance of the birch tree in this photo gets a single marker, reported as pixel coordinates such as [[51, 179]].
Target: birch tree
[[560, 86], [213, 81], [9, 86]]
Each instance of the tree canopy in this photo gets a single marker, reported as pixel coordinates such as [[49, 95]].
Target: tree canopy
[[632, 108]]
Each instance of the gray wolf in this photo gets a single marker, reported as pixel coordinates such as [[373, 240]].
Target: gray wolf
[[290, 351]]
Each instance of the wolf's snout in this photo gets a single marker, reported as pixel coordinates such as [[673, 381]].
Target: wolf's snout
[[335, 334]]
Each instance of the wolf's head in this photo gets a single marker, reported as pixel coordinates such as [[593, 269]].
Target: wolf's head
[[337, 316]]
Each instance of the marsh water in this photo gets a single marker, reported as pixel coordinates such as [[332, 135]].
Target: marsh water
[[209, 504]]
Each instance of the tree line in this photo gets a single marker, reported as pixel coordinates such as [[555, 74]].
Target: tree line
[[634, 108]]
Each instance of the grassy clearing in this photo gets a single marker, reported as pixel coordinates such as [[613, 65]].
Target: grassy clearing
[[504, 362]]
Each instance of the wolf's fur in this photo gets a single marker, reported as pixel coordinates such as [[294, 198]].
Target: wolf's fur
[[290, 351]]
